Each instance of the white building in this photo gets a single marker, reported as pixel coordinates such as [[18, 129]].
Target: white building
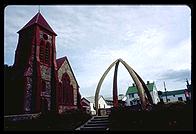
[[173, 96], [121, 98], [101, 104], [85, 104], [133, 98]]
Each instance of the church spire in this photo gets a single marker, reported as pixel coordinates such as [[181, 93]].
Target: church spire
[[39, 20]]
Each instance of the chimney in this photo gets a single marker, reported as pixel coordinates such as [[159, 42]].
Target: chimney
[[133, 84], [148, 82]]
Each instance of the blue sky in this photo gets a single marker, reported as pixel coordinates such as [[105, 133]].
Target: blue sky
[[154, 40]]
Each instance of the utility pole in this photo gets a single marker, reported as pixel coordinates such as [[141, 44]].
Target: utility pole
[[165, 91], [187, 83]]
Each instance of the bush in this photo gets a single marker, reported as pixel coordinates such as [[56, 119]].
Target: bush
[[173, 116]]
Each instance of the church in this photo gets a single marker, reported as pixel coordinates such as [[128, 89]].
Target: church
[[43, 83]]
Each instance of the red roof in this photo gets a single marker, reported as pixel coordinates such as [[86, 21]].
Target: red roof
[[60, 62], [84, 102], [39, 19]]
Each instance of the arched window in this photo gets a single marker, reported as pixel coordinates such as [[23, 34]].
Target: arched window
[[44, 54], [47, 53], [68, 94], [41, 53], [65, 88]]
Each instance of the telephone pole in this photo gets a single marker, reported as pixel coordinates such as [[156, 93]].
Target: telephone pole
[[165, 91]]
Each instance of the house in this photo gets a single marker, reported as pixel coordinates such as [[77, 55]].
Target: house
[[177, 95], [102, 104], [121, 100], [85, 105], [133, 98], [173, 96]]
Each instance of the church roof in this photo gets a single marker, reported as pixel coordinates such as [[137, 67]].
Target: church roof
[[60, 61], [39, 19]]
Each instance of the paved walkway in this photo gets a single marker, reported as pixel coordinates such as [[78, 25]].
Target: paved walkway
[[96, 123]]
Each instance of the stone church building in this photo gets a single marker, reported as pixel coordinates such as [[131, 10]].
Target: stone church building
[[42, 82]]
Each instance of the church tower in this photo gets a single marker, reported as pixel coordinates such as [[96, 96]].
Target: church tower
[[35, 67]]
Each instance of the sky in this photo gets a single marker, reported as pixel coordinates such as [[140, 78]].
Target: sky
[[155, 40]]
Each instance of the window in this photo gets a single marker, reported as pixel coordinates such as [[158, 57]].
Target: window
[[47, 53], [131, 95], [44, 54], [45, 36], [41, 53], [180, 99]]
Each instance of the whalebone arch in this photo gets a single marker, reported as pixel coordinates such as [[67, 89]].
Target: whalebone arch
[[141, 87]]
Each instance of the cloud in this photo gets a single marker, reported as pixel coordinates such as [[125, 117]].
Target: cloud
[[151, 39], [176, 75]]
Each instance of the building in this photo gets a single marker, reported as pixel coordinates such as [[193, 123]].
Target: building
[[101, 102], [121, 100], [85, 104], [173, 96], [37, 74], [177, 95], [68, 88], [35, 66], [133, 98]]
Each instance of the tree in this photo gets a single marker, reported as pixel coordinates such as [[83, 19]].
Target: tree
[[8, 95]]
